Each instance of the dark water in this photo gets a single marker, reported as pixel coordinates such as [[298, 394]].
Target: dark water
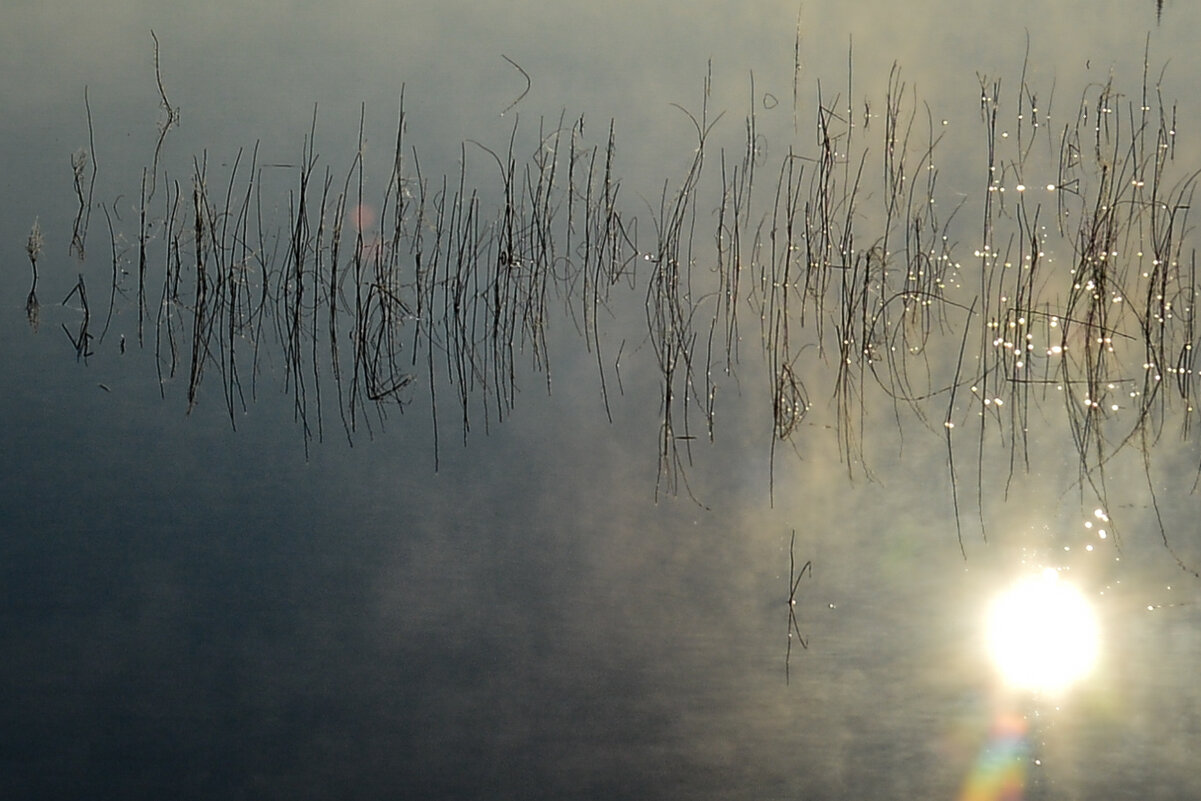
[[522, 525]]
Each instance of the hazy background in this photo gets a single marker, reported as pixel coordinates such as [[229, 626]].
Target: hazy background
[[197, 612]]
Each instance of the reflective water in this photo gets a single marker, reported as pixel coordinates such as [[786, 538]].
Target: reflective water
[[511, 513]]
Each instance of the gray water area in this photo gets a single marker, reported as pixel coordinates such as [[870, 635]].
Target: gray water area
[[282, 588]]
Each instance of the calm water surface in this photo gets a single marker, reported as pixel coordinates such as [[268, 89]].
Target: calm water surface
[[248, 553]]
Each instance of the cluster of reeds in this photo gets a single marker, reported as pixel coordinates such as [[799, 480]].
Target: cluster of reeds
[[1088, 296], [1076, 288]]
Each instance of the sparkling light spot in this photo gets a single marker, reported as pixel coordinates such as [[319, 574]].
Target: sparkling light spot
[[1042, 634]]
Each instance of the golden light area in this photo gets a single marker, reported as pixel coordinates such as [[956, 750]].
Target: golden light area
[[1042, 633]]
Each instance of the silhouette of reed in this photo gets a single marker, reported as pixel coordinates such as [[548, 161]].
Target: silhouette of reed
[[33, 248], [83, 167], [1060, 278], [794, 626]]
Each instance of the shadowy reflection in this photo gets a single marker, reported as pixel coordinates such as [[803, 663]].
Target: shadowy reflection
[[1057, 286]]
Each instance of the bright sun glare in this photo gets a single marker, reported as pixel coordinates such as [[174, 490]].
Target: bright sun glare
[[1042, 633]]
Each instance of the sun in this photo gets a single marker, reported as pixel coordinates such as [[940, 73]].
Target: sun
[[1042, 634]]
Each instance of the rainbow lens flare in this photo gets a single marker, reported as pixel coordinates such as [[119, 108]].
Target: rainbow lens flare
[[999, 773]]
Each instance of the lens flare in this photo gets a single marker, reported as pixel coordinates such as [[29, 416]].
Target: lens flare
[[1000, 770], [1042, 634]]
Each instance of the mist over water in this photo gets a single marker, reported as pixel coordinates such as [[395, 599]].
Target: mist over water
[[443, 402]]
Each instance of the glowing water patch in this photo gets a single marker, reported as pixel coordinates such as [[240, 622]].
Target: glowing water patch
[[1042, 633]]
